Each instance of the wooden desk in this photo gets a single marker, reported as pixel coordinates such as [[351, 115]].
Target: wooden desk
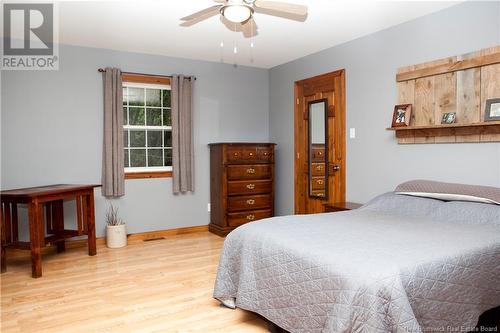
[[341, 206], [51, 198]]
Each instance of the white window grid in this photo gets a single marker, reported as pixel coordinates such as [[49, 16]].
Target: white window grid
[[147, 128]]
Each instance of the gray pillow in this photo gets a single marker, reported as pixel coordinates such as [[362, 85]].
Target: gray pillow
[[435, 210], [450, 191]]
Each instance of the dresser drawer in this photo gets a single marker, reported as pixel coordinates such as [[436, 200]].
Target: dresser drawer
[[245, 154], [237, 219], [242, 172], [318, 193], [318, 153], [241, 154], [318, 169], [265, 154], [249, 202], [318, 183], [249, 187]]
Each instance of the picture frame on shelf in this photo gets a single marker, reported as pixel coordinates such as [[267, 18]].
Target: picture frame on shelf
[[492, 110], [402, 115], [449, 118]]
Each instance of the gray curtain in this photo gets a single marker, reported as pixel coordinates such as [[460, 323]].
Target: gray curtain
[[182, 134], [113, 178]]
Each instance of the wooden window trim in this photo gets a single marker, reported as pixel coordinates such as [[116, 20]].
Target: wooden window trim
[[145, 78], [148, 174]]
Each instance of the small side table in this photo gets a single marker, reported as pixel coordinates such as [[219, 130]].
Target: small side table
[[340, 206], [51, 198]]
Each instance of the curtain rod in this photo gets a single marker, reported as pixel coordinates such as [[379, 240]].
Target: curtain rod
[[102, 70]]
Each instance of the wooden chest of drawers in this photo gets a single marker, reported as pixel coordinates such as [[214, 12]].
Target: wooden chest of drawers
[[241, 184]]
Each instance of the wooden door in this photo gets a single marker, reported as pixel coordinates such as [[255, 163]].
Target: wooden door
[[330, 86]]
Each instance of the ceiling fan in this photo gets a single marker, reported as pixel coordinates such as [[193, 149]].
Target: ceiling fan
[[237, 15]]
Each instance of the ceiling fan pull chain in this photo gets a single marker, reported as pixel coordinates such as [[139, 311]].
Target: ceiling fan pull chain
[[222, 51], [251, 42]]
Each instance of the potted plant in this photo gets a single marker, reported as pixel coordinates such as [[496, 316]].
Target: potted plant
[[116, 230]]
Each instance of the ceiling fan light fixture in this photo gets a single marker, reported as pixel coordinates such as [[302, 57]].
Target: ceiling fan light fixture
[[237, 13]]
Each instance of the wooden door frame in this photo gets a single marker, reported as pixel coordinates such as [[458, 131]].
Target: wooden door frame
[[339, 133]]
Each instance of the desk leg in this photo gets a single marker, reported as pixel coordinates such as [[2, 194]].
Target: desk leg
[[36, 233], [15, 225], [2, 241], [90, 219], [58, 215]]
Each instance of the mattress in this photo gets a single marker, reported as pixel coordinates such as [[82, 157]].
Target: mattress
[[398, 264]]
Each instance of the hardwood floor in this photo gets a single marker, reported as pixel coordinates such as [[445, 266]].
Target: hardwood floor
[[157, 286]]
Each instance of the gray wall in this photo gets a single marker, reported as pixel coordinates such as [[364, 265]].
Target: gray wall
[[375, 163], [52, 129]]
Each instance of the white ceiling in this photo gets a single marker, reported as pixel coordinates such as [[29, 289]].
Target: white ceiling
[[152, 27]]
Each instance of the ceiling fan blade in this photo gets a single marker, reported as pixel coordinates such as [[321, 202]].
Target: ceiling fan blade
[[282, 7], [250, 28], [288, 16], [203, 14]]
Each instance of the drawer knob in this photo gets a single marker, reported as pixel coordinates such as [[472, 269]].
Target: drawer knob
[[320, 153], [266, 153], [250, 217], [250, 201], [319, 167], [320, 182], [250, 186], [251, 154], [250, 170]]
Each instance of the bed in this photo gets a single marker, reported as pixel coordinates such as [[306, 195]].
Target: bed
[[398, 264]]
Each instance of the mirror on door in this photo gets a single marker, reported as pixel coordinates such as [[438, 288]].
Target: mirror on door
[[318, 148]]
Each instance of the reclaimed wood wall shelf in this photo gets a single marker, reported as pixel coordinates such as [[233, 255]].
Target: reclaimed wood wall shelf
[[447, 130], [409, 128], [460, 84]]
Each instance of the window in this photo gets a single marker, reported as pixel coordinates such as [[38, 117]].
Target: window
[[147, 126]]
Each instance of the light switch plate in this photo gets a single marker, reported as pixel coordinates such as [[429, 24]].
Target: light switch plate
[[352, 133], [208, 207]]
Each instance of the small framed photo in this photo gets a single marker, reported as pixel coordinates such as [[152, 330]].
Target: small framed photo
[[449, 118], [492, 111], [402, 115]]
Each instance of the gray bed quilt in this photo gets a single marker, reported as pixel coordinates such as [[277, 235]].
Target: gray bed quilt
[[398, 264]]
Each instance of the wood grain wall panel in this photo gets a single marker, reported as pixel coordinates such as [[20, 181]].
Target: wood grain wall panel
[[445, 95], [431, 63], [406, 92], [468, 100], [490, 88], [424, 106], [406, 95], [490, 85], [445, 100], [488, 51], [459, 84]]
